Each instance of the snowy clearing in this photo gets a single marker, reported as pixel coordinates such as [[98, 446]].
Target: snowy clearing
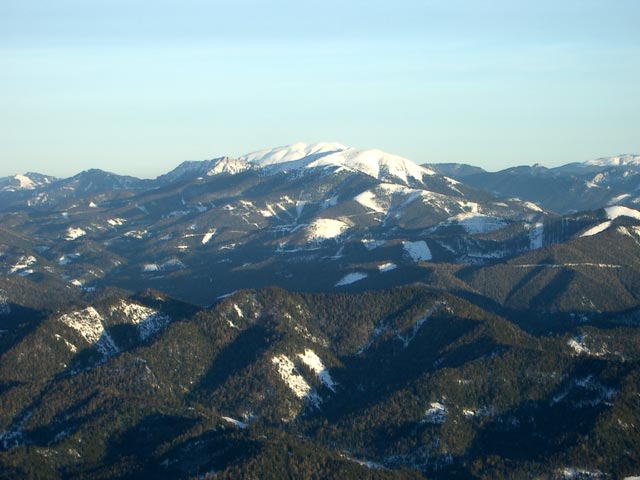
[[418, 251], [351, 278], [597, 229], [325, 228]]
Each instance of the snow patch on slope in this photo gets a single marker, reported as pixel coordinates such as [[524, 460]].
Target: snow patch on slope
[[313, 361], [579, 346], [208, 236], [73, 233], [325, 228], [88, 323], [235, 422], [387, 267], [368, 200], [436, 413], [147, 320], [292, 378], [25, 183], [23, 264], [597, 229], [620, 211], [351, 278]]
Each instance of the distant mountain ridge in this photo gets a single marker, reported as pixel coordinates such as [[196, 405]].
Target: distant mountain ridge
[[565, 189]]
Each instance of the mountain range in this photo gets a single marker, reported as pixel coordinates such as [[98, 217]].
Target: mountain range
[[320, 311]]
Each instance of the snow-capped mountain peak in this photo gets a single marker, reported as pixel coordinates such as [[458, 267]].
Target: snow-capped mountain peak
[[27, 181], [373, 162], [228, 165], [191, 169], [617, 161], [292, 153]]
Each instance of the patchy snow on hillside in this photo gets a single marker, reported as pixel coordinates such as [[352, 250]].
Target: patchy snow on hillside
[[88, 323], [235, 422], [573, 473], [325, 228], [477, 223], [351, 278], [387, 267], [597, 229], [72, 348], [417, 251], [68, 258], [437, 413], [579, 346], [23, 264], [531, 206], [137, 234], [208, 236], [313, 361], [292, 378], [620, 211], [371, 244], [147, 320], [116, 222], [73, 233]]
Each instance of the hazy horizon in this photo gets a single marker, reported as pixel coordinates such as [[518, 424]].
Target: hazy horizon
[[136, 91]]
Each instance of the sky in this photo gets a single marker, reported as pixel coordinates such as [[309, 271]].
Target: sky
[[136, 87]]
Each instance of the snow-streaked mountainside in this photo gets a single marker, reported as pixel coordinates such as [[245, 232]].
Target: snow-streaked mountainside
[[208, 228], [421, 326]]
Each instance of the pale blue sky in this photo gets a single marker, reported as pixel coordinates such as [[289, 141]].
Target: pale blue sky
[[136, 87]]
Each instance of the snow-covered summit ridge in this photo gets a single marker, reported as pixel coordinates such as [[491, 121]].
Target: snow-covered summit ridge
[[292, 153], [27, 181], [373, 162], [190, 168], [617, 161]]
